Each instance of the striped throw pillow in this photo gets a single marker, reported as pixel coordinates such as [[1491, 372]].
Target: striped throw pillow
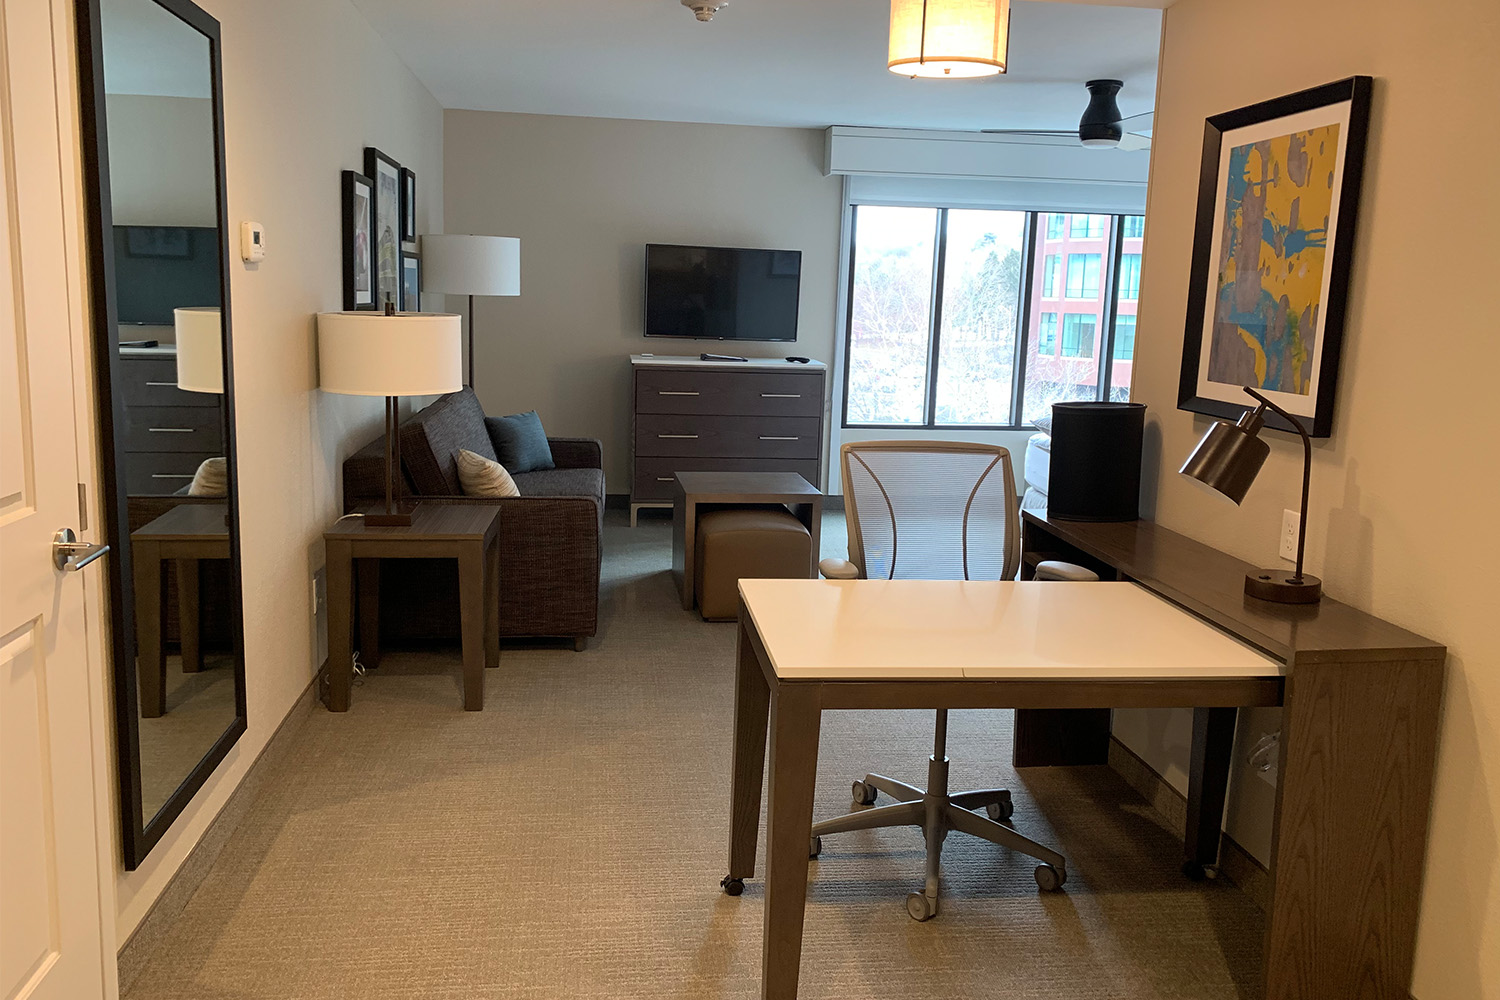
[[481, 477]]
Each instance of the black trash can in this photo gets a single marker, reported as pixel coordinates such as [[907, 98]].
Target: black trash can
[[1095, 473]]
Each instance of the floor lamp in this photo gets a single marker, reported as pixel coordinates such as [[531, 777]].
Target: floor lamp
[[391, 355], [471, 265]]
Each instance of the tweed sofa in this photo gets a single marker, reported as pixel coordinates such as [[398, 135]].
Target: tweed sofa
[[550, 536]]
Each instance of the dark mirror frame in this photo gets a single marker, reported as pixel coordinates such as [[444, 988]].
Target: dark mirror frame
[[140, 832]]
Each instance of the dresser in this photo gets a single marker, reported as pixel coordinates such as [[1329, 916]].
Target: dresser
[[168, 431], [690, 415]]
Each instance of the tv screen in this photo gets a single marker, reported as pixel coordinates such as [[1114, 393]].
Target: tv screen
[[718, 293], [158, 268]]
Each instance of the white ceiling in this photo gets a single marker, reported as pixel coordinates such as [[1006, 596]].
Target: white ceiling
[[759, 62]]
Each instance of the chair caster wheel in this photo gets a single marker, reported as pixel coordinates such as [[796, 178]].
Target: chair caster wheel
[[1001, 811], [815, 847], [732, 886], [919, 907], [1199, 872], [864, 794], [1050, 879]]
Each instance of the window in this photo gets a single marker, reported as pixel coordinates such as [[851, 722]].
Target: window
[[936, 333], [1130, 277], [1133, 227], [1078, 335], [1046, 335], [1083, 276], [1049, 276], [1087, 227], [1124, 338]]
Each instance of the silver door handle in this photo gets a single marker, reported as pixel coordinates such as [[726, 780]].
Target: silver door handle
[[172, 384], [781, 395], [69, 554], [170, 430], [767, 437], [681, 437], [665, 479], [665, 392], [173, 475]]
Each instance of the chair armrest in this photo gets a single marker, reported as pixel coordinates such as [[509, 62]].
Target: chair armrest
[[576, 453], [839, 569], [1054, 569]]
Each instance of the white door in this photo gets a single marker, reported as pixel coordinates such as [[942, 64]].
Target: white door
[[51, 944]]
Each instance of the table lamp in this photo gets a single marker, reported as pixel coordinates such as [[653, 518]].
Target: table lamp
[[471, 265], [391, 355], [200, 348], [1228, 459]]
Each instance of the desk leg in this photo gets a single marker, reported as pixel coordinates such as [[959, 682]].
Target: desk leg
[[340, 626], [1208, 782], [150, 663], [752, 702], [189, 616], [492, 604], [472, 617], [795, 719], [367, 575], [811, 516], [684, 546]]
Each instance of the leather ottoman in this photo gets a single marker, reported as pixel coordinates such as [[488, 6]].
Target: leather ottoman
[[735, 545]]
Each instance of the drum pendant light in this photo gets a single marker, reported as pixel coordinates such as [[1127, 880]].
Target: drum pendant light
[[949, 38]]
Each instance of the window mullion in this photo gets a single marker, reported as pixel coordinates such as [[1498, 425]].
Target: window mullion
[[1106, 337], [1023, 319], [935, 317]]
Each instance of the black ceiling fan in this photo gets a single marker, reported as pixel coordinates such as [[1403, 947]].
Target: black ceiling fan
[[1101, 124]]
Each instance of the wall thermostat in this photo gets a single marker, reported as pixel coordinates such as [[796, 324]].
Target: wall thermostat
[[252, 242]]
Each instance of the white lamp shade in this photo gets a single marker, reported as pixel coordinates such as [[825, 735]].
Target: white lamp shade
[[200, 348], [471, 265], [371, 354], [949, 38]]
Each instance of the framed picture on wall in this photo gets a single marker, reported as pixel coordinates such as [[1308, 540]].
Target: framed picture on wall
[[1277, 198], [385, 259], [411, 281], [408, 205], [359, 228]]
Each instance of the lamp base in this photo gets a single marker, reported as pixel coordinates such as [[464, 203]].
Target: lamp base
[[1282, 587], [400, 517]]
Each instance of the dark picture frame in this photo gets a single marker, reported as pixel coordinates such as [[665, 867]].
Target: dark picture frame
[[385, 248], [1288, 172], [411, 281], [408, 205], [358, 193]]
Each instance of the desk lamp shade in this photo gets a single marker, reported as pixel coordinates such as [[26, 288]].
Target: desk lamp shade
[[471, 265], [390, 355], [200, 348], [949, 38]]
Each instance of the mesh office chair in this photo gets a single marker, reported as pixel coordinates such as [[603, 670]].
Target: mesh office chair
[[933, 510]]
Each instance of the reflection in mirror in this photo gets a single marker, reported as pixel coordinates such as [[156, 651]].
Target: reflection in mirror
[[161, 243]]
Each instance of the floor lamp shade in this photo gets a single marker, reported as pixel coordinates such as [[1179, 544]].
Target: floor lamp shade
[[471, 265], [408, 354], [949, 38], [200, 348]]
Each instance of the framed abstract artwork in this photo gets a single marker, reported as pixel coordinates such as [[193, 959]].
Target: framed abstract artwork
[[359, 227], [385, 259], [408, 205], [1277, 199]]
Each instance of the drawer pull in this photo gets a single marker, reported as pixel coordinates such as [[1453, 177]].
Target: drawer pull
[[666, 479], [682, 437], [672, 392], [171, 475], [170, 430], [781, 395], [163, 384], [773, 437]]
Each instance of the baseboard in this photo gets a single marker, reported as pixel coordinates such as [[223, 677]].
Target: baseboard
[[154, 927], [1235, 863]]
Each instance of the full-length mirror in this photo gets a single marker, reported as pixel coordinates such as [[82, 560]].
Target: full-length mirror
[[151, 86]]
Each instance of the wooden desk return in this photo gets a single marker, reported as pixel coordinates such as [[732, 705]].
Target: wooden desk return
[[1356, 761]]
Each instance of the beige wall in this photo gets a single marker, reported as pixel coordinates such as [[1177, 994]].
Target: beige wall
[[307, 85], [161, 160], [1402, 521], [585, 195]]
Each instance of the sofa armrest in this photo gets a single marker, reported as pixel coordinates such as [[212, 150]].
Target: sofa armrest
[[576, 453]]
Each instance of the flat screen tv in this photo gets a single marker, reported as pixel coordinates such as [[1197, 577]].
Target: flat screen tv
[[158, 268], [719, 293]]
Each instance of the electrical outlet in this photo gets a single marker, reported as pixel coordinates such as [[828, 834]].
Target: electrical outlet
[[1291, 523]]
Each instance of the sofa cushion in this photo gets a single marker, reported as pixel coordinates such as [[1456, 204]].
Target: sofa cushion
[[431, 440], [520, 442], [562, 483]]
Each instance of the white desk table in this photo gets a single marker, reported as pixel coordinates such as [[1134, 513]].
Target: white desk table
[[807, 645]]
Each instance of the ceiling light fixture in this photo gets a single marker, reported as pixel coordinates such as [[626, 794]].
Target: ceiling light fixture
[[949, 38], [704, 10]]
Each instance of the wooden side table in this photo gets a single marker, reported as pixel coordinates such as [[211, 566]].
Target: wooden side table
[[184, 535], [694, 489], [466, 533]]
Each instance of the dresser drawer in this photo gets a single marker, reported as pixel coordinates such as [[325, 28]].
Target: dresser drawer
[[153, 382], [161, 473], [751, 393], [173, 428], [659, 434], [654, 476]]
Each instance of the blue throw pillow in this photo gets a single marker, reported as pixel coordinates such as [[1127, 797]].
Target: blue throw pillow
[[520, 443]]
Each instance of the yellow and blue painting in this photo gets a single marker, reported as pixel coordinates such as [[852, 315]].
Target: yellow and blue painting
[[1273, 251]]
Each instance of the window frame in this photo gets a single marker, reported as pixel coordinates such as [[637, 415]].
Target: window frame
[[1034, 232]]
